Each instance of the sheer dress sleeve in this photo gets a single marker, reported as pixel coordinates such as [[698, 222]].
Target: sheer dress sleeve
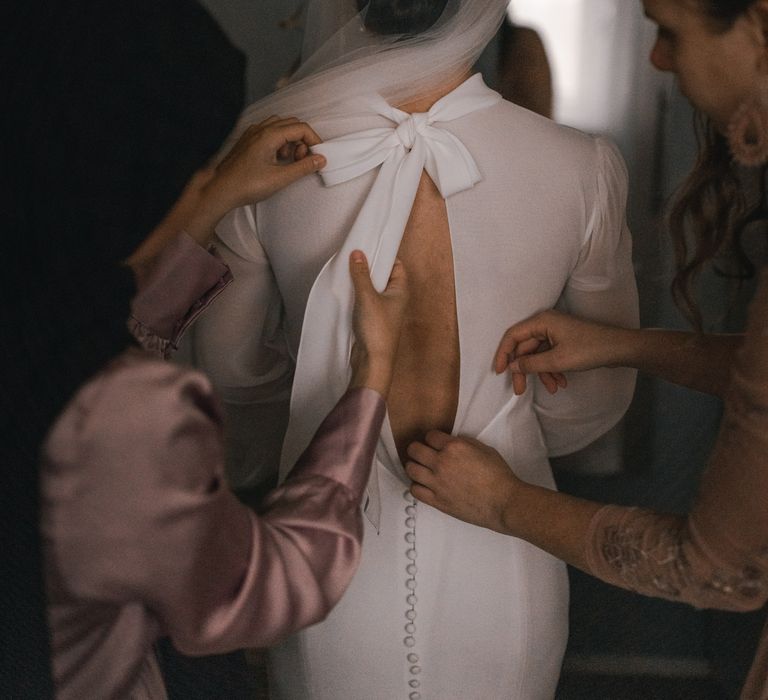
[[241, 346], [137, 509], [601, 288]]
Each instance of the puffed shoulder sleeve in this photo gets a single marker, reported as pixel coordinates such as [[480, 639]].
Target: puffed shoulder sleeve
[[137, 510], [239, 343], [601, 288], [606, 253]]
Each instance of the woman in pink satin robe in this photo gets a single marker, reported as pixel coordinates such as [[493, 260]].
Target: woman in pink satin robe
[[142, 537]]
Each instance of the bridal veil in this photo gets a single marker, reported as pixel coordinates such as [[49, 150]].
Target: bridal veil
[[342, 59]]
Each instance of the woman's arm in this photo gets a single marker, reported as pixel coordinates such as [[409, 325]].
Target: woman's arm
[[601, 287], [153, 521], [265, 159], [552, 342], [177, 278], [470, 481], [715, 557]]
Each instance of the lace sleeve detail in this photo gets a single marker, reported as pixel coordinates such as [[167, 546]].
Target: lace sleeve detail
[[717, 556], [661, 556]]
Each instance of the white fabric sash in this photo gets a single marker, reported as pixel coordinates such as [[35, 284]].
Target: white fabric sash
[[414, 143]]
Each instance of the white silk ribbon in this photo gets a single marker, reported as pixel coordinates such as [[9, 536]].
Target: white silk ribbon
[[415, 142]]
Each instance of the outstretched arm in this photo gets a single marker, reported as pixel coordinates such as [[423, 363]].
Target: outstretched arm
[[715, 557], [470, 481], [171, 534], [552, 342], [265, 159], [177, 278], [305, 545]]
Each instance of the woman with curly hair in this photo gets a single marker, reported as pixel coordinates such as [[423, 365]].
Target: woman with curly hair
[[716, 556]]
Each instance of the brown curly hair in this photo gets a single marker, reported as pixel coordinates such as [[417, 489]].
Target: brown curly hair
[[713, 207]]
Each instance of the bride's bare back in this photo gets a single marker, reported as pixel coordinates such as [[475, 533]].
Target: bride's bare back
[[425, 388]]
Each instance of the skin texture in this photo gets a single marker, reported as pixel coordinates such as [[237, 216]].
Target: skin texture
[[425, 388], [716, 70], [377, 323], [553, 342], [427, 362]]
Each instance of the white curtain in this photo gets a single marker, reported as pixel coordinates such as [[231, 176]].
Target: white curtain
[[598, 50]]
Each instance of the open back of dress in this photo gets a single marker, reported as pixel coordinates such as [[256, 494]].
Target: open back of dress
[[425, 387], [439, 609]]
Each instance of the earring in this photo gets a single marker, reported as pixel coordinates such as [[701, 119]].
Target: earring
[[747, 131]]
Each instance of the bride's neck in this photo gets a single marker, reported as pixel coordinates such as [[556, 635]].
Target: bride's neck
[[425, 102]]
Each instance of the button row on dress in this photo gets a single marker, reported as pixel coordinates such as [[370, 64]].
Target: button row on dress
[[411, 599]]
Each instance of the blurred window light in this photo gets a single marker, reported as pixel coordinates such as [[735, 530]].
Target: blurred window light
[[585, 43]]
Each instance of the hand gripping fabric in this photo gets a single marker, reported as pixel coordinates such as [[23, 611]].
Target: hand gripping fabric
[[415, 142]]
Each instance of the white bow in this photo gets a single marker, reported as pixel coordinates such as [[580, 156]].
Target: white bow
[[415, 144]]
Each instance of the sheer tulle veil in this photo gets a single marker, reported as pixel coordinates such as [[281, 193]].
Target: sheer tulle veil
[[341, 59]]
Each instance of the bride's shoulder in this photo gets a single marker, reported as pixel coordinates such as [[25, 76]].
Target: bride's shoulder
[[509, 129], [514, 118]]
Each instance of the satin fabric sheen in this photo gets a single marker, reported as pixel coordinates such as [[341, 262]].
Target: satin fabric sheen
[[143, 538]]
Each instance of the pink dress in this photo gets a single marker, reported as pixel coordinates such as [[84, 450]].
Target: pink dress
[[142, 536], [717, 556]]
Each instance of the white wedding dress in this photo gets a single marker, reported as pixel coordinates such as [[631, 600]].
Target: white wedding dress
[[439, 609]]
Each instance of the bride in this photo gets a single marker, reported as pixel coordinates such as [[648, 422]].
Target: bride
[[496, 213]]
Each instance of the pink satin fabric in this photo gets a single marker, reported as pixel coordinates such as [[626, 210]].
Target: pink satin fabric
[[184, 281], [142, 536], [716, 557]]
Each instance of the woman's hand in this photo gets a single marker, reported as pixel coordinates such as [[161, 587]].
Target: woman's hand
[[551, 343], [377, 322], [471, 482], [463, 478], [266, 158]]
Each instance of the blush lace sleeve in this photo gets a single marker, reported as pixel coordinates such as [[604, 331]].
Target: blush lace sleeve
[[717, 556]]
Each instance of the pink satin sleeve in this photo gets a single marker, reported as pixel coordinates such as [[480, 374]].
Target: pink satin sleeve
[[137, 509], [183, 282], [307, 537], [717, 556]]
